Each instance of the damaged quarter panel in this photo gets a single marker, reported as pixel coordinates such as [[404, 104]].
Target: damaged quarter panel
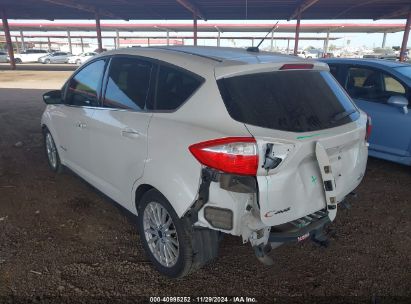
[[171, 134]]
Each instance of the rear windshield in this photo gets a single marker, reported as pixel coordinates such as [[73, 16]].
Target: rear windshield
[[296, 101]]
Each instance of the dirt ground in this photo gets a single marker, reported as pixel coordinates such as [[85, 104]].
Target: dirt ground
[[59, 237], [29, 79]]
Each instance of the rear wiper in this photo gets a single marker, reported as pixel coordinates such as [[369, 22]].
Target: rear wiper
[[342, 115]]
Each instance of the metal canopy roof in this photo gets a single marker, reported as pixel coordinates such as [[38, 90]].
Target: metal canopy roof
[[30, 36], [206, 9], [210, 27]]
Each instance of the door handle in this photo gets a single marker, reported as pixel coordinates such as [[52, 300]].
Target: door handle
[[131, 133], [81, 125]]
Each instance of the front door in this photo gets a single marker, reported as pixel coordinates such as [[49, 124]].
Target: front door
[[371, 88], [73, 125]]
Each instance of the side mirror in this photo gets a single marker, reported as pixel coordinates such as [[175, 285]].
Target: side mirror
[[53, 97], [399, 102]]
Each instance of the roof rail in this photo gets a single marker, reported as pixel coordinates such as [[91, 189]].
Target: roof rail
[[186, 52]]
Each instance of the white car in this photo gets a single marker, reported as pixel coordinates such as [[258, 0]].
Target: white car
[[203, 141], [30, 55], [307, 54], [80, 59], [3, 57]]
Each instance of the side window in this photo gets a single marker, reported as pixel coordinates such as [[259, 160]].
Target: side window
[[174, 87], [334, 71], [394, 86], [371, 84], [128, 83], [84, 87], [364, 83]]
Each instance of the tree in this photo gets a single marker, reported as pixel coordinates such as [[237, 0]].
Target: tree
[[332, 47]]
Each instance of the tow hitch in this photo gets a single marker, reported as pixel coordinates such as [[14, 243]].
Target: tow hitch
[[319, 238], [261, 254], [308, 227]]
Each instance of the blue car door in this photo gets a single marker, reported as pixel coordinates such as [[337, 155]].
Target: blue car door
[[391, 132]]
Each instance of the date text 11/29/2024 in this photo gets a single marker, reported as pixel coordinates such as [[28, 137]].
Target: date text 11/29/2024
[[235, 299]]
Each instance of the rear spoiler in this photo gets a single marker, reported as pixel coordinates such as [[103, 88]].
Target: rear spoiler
[[231, 69]]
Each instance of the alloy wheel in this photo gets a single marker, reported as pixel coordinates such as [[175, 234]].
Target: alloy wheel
[[161, 234], [51, 151]]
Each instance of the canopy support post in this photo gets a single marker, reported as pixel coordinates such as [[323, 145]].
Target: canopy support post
[[384, 38], [69, 42], [23, 44], [98, 30], [195, 28], [326, 42], [17, 44], [117, 39], [405, 37], [297, 33], [8, 39]]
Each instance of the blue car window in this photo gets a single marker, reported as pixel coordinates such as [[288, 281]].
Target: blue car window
[[372, 85]]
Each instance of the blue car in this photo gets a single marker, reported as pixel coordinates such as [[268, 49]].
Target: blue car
[[382, 89]]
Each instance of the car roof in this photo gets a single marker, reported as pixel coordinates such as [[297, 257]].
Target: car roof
[[213, 55], [367, 61], [222, 54], [216, 61]]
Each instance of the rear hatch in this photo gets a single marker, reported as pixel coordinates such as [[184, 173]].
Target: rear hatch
[[310, 136]]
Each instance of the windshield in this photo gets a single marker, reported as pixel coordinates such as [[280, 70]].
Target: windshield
[[406, 71], [297, 101]]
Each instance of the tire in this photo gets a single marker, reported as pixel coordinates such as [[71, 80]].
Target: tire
[[17, 60], [48, 61], [154, 236], [78, 62], [52, 154]]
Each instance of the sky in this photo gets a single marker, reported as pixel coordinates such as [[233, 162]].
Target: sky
[[352, 39]]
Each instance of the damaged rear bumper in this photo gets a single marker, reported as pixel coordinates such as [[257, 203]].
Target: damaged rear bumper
[[310, 226]]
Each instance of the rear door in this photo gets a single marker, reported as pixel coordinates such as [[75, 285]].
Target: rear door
[[371, 88], [120, 128], [72, 120], [303, 122]]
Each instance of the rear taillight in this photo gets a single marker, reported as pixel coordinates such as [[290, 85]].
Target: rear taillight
[[297, 66], [368, 128], [237, 155]]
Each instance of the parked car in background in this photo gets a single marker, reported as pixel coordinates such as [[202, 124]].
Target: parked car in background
[[201, 141], [382, 88], [308, 54], [56, 57], [80, 59], [31, 55], [301, 54], [393, 57], [313, 54], [3, 57]]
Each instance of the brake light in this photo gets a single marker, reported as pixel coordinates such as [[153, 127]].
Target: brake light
[[297, 66], [236, 155], [368, 128]]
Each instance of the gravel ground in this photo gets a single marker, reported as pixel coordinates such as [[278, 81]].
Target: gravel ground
[[59, 237]]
